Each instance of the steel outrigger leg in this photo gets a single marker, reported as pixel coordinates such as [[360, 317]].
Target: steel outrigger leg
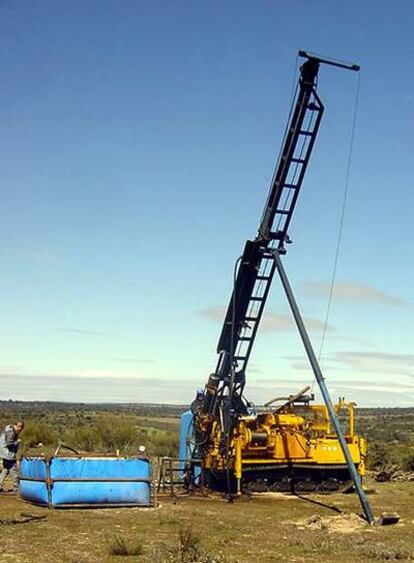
[[322, 386]]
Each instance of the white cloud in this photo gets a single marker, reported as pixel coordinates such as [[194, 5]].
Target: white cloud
[[377, 362], [363, 392], [45, 255], [353, 292], [83, 331], [132, 360], [271, 322]]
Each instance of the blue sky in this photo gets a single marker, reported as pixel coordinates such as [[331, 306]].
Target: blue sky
[[138, 142]]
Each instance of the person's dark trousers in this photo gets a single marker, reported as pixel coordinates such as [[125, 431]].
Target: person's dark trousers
[[9, 468]]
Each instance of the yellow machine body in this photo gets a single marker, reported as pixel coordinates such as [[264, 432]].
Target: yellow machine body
[[290, 447]]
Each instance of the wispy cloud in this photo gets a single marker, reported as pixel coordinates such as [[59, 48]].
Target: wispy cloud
[[253, 368], [45, 255], [395, 387], [284, 323], [84, 331], [132, 360], [377, 362], [364, 392], [373, 362], [214, 313], [75, 373], [271, 322], [336, 383], [353, 292], [109, 389]]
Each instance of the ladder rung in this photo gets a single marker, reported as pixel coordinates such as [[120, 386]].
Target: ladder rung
[[263, 278], [306, 133], [290, 186], [256, 298], [250, 319], [245, 338], [282, 211], [298, 160]]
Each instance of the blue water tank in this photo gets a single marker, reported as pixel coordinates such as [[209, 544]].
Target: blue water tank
[[86, 481]]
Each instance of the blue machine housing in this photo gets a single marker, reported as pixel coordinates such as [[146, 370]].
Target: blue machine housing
[[86, 481], [186, 431], [186, 446]]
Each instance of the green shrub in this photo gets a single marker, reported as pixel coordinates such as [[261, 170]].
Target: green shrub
[[83, 438], [409, 463], [378, 456], [38, 432], [100, 432], [116, 433]]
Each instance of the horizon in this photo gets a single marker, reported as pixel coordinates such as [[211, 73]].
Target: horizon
[[118, 390], [155, 405]]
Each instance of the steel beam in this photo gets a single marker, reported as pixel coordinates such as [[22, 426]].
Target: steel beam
[[322, 386]]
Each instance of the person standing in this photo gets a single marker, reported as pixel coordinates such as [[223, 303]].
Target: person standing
[[9, 446]]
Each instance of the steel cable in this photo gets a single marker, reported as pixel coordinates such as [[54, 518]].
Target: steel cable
[[341, 222]]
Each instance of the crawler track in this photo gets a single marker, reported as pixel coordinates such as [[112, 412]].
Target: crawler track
[[296, 478]]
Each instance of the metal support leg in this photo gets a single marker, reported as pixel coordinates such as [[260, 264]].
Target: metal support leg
[[322, 386]]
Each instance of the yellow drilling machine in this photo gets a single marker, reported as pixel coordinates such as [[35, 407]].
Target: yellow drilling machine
[[287, 447], [289, 444]]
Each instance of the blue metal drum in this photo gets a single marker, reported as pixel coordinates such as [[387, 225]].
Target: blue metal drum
[[86, 481]]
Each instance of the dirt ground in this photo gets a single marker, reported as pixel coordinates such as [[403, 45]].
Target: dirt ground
[[268, 528]]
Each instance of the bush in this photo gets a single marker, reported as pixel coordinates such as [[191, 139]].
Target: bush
[[101, 433], [83, 438], [188, 545], [188, 549], [115, 433], [409, 463], [38, 432], [378, 456], [106, 433], [119, 545]]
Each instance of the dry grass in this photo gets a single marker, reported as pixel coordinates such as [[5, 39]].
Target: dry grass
[[121, 546], [188, 548], [211, 530], [380, 553]]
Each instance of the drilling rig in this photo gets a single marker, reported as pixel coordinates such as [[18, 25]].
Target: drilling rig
[[289, 444]]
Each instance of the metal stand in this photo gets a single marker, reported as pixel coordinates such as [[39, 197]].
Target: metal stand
[[322, 386]]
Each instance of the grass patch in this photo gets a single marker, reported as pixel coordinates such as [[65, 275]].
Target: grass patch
[[121, 546], [188, 548], [380, 553]]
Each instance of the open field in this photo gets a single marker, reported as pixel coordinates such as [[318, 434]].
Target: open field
[[109, 427], [266, 529], [188, 529]]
